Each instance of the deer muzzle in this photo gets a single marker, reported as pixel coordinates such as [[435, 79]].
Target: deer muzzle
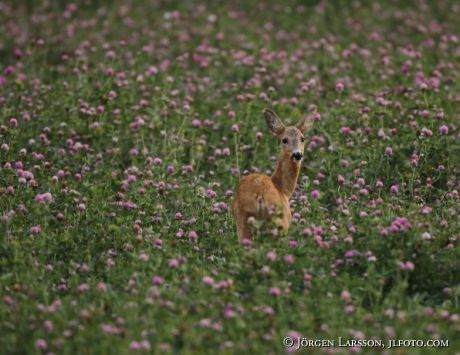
[[297, 156]]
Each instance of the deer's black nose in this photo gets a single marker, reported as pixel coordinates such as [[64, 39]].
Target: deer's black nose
[[297, 156]]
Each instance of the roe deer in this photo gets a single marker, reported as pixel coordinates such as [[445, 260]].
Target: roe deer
[[257, 193]]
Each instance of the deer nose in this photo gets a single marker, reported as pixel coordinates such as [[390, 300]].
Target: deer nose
[[297, 156]]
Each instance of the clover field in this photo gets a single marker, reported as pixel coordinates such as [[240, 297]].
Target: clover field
[[126, 126]]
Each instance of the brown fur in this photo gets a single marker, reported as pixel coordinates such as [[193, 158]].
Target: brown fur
[[257, 193]]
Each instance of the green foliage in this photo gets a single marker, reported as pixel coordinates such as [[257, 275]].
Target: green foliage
[[125, 131]]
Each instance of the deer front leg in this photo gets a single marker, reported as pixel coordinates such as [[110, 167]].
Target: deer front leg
[[282, 223]]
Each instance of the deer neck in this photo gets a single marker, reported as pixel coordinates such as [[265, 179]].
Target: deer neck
[[286, 175]]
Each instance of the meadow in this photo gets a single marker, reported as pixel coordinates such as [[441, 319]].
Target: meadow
[[126, 127]]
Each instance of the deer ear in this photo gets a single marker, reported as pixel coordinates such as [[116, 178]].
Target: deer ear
[[274, 122], [306, 122]]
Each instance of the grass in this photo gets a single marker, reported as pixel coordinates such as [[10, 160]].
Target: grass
[[127, 126]]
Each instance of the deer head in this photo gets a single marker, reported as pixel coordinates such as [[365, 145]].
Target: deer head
[[292, 137]]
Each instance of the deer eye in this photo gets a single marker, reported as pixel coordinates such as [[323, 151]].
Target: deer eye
[[285, 140], [302, 139]]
